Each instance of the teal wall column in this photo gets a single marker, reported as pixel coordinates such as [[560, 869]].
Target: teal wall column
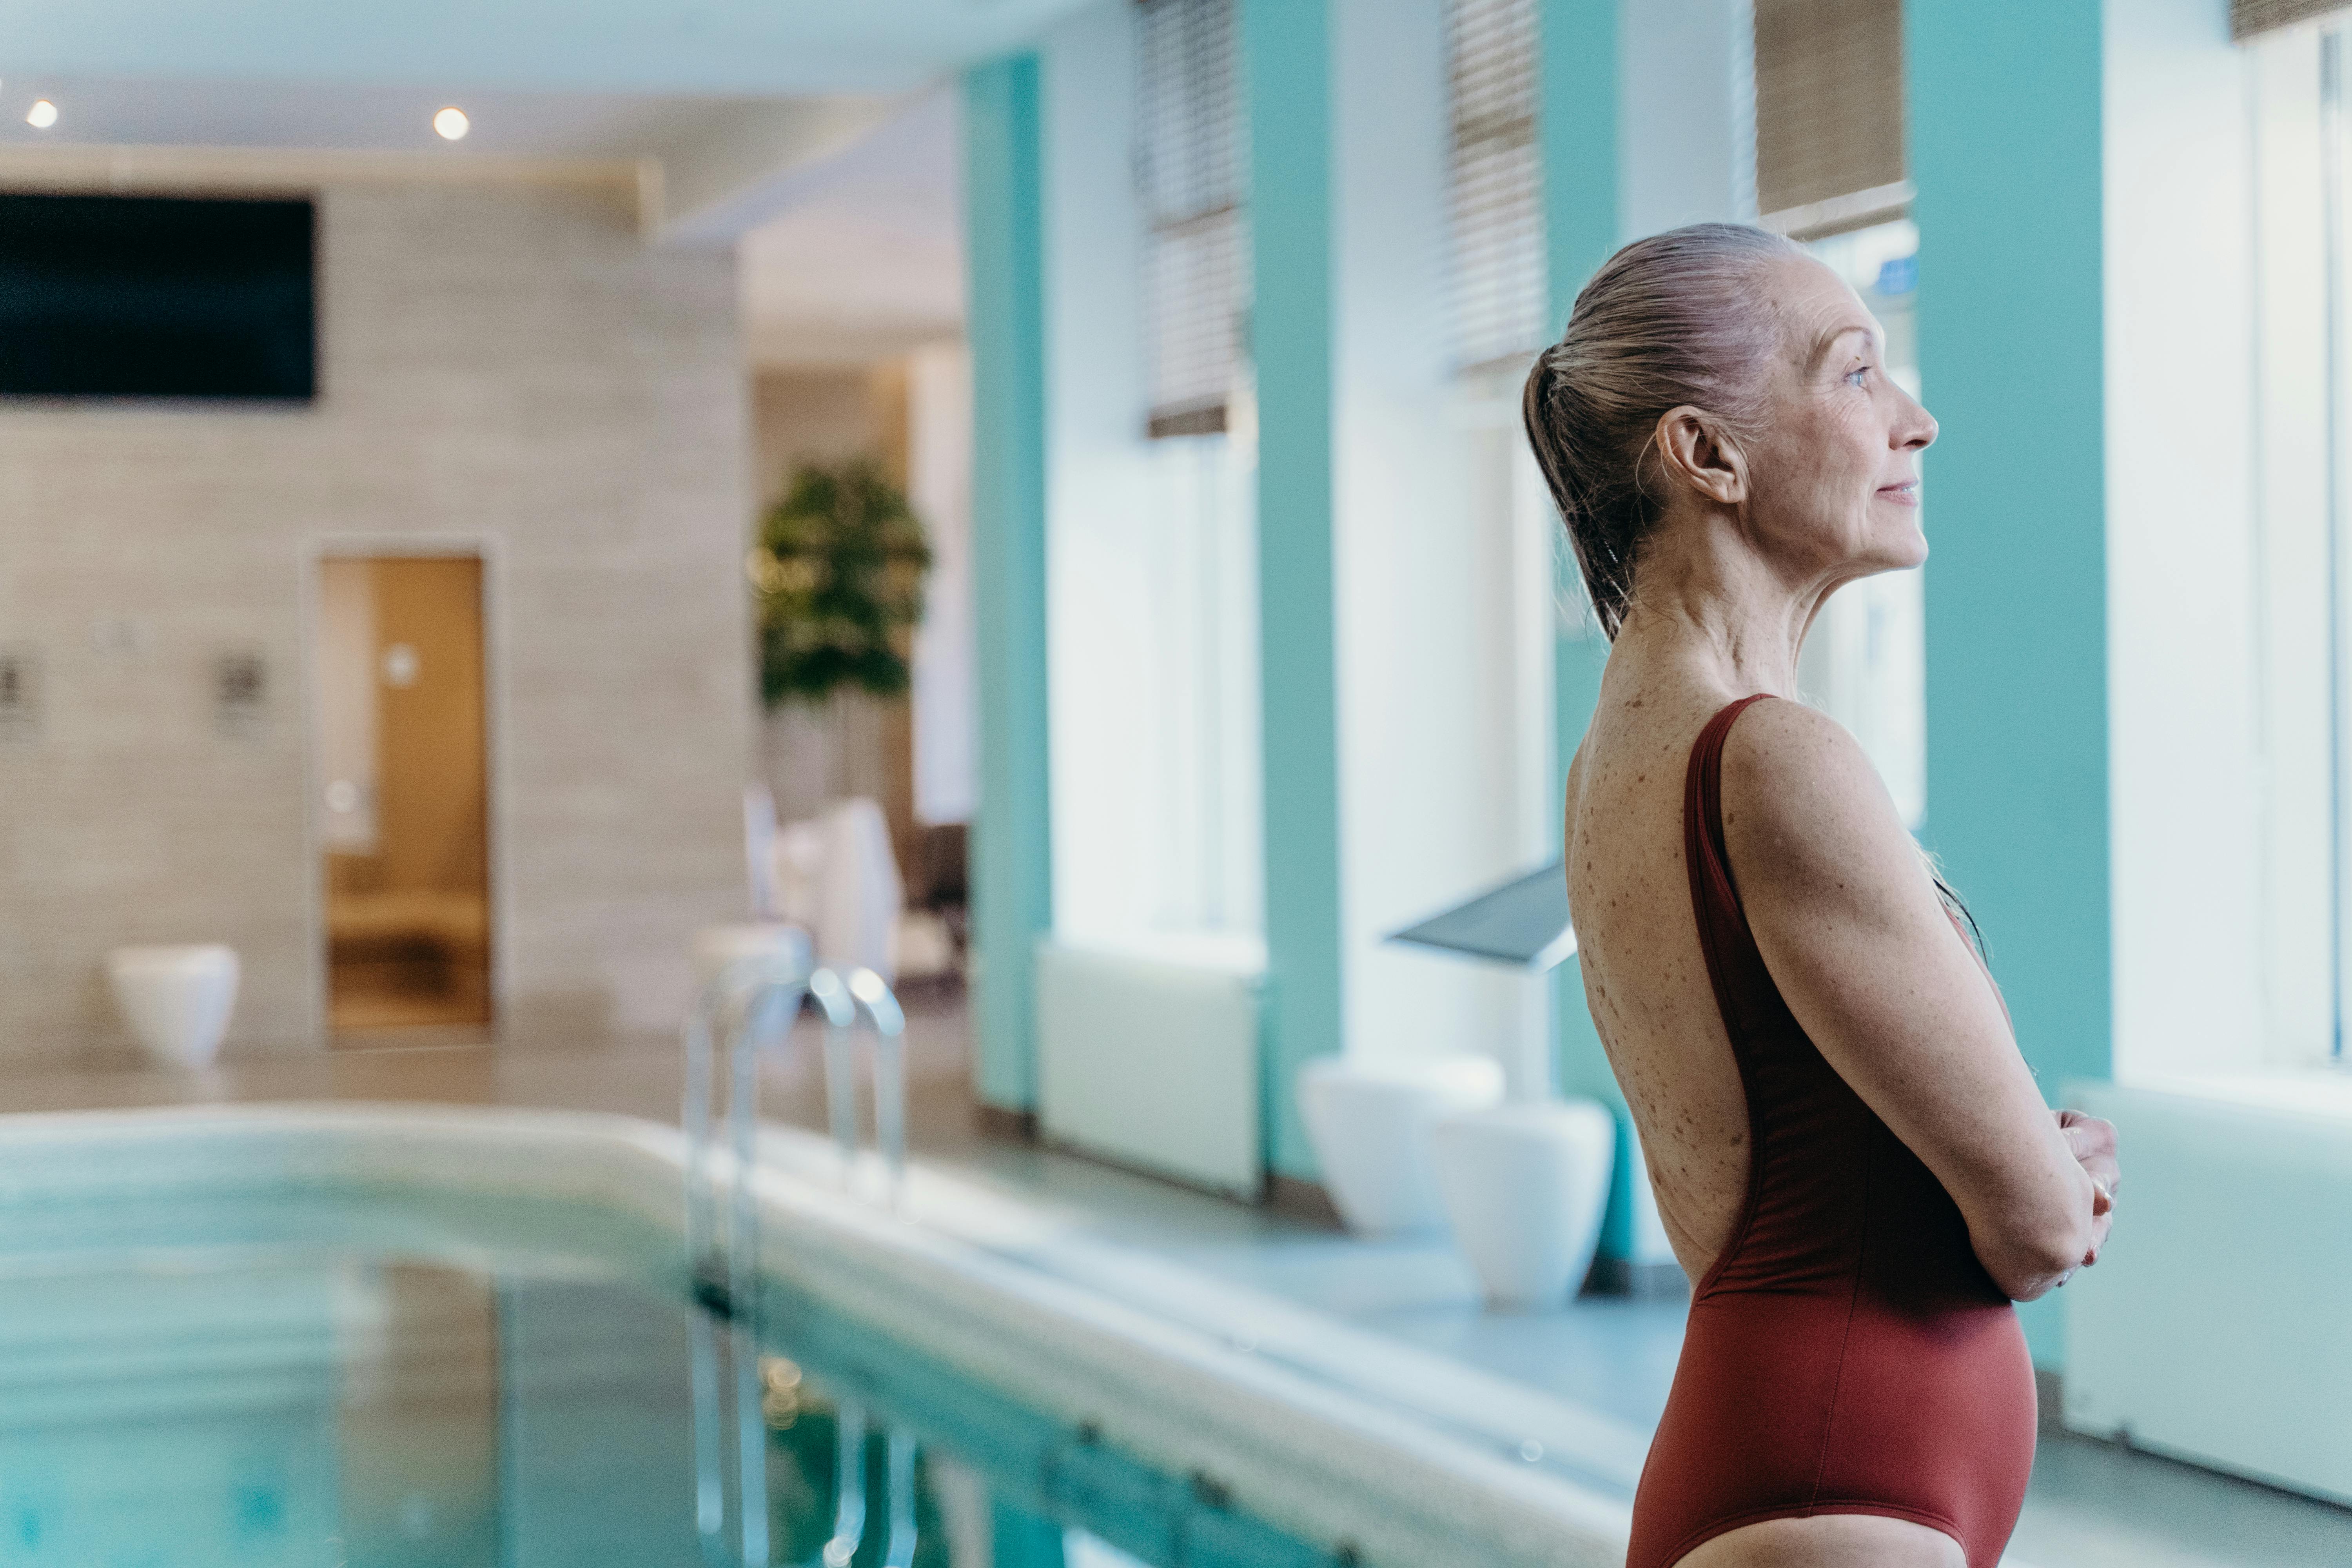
[[2006, 152], [1286, 52], [1011, 870], [1577, 69]]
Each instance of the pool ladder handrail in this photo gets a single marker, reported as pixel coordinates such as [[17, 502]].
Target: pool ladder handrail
[[849, 1492], [746, 1009], [740, 1007], [841, 998]]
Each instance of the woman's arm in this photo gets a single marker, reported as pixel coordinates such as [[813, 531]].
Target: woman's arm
[[1849, 923]]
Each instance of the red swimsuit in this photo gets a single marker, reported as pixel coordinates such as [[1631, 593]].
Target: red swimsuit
[[1847, 1353]]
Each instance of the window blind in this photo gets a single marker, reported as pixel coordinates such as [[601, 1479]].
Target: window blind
[[1498, 307], [2248, 18], [1192, 175], [1829, 134]]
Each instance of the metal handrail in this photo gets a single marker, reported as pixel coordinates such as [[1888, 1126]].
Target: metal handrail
[[832, 999], [874, 997], [848, 1486], [728, 1010], [746, 1007], [746, 1010]]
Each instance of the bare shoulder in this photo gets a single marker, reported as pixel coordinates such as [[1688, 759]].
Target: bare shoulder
[[1804, 807]]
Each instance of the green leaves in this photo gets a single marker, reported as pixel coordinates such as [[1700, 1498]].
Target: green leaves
[[838, 578]]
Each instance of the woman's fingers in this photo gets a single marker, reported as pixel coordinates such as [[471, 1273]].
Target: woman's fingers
[[2092, 1141]]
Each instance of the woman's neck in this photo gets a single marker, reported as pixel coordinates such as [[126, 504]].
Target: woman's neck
[[1703, 598]]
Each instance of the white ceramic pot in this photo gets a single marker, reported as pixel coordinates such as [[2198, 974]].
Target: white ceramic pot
[[1370, 1125], [176, 1000], [1526, 1187]]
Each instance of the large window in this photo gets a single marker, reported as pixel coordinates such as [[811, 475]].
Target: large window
[[1831, 171], [1192, 170], [2297, 100], [1829, 134], [1495, 185], [1498, 315], [1156, 734]]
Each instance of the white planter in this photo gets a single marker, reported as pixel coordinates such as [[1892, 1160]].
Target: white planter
[[1370, 1125], [1526, 1187], [176, 1000]]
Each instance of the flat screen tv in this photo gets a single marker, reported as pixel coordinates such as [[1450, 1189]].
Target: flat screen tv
[[156, 297]]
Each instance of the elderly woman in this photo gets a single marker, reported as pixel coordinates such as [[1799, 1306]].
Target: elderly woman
[[1850, 1156]]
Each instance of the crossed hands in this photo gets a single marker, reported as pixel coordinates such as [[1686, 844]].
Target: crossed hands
[[2091, 1141]]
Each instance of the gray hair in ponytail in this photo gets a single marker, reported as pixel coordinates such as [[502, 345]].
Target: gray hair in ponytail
[[1679, 318]]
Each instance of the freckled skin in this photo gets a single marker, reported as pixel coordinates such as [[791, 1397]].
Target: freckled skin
[[1644, 977]]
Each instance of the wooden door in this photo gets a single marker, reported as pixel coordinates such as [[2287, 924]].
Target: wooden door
[[404, 732]]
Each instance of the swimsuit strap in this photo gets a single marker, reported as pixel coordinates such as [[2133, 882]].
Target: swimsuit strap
[[1715, 898]]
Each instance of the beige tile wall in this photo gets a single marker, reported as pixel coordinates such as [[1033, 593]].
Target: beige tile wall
[[507, 365]]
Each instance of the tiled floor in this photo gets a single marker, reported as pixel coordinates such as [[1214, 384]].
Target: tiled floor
[[2092, 1505]]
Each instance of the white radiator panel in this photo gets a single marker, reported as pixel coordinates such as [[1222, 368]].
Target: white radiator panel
[[1148, 1054], [2216, 1327]]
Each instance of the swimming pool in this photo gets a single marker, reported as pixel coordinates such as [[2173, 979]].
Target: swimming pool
[[336, 1336]]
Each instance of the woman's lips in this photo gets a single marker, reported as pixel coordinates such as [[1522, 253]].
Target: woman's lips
[[1905, 494]]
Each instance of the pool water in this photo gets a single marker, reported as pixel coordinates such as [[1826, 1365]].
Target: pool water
[[316, 1378]]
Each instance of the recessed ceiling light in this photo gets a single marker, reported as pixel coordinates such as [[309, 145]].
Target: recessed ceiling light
[[42, 115], [452, 124]]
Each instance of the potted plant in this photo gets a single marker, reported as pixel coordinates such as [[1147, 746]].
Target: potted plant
[[838, 573]]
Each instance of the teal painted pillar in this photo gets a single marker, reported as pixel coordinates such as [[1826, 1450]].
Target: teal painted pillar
[[1582, 226], [1286, 53], [1577, 40], [1012, 850], [2006, 152]]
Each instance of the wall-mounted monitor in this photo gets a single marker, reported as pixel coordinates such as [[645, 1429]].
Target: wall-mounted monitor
[[157, 297]]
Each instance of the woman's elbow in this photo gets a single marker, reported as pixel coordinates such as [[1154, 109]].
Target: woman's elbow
[[2029, 1262]]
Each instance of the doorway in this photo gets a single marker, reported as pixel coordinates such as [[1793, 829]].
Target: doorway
[[402, 734]]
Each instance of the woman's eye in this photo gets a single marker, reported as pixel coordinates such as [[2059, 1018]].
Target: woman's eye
[[1858, 374]]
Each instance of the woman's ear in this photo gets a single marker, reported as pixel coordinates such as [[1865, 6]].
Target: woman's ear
[[1694, 451]]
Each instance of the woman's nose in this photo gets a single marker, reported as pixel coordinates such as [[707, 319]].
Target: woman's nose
[[1917, 431]]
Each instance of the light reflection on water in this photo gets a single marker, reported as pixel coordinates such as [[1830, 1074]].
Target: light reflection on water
[[283, 1404]]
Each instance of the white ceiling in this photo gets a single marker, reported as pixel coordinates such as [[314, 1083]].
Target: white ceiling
[[846, 255], [743, 47], [866, 258], [131, 111]]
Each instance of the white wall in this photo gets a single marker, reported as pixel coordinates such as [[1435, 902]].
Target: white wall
[[2185, 791], [946, 697], [507, 367]]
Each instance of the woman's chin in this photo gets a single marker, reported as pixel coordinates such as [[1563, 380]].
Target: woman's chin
[[1902, 552], [1878, 562]]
